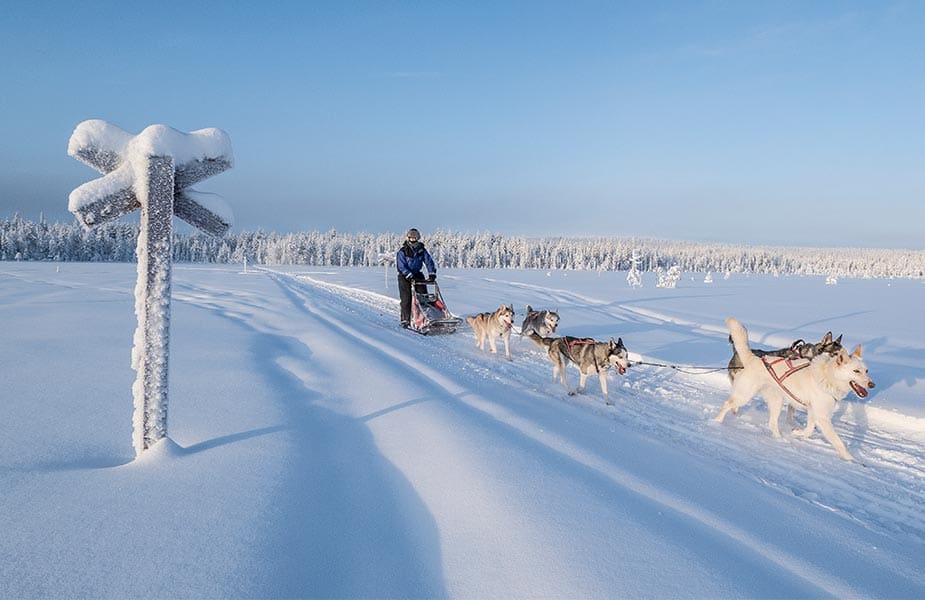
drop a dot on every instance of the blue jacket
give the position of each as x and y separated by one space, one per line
411 260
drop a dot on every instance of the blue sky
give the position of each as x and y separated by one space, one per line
797 123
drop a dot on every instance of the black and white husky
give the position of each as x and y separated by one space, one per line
814 385
586 354
799 349
541 322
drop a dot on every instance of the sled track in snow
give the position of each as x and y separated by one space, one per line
673 407
890 481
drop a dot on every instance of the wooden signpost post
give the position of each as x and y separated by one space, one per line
151 171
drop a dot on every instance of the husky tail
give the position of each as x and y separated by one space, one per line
740 393
739 338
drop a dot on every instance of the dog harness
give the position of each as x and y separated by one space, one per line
780 368
569 342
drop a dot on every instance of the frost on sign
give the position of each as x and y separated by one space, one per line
151 171
120 157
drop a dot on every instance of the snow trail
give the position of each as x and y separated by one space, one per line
454 378
675 406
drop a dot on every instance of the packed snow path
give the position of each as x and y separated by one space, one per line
403 465
476 440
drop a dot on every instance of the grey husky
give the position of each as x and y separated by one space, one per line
586 354
541 322
815 385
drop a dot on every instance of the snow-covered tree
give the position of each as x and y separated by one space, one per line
634 277
116 242
669 278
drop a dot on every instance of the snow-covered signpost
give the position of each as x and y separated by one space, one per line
151 171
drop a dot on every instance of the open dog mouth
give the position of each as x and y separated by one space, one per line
621 369
859 390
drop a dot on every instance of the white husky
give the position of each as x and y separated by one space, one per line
814 385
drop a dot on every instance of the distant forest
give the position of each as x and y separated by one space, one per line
22 239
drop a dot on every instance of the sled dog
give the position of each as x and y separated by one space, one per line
814 385
799 349
586 354
542 322
489 325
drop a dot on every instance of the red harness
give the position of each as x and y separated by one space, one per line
780 368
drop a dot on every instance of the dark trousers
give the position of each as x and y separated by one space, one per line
404 292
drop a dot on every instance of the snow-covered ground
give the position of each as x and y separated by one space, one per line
317 450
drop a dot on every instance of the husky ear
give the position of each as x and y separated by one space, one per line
838 341
857 351
613 344
619 341
827 338
841 358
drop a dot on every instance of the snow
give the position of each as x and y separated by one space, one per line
315 449
82 196
161 140
154 140
126 155
98 134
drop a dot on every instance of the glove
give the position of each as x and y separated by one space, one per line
432 277
409 276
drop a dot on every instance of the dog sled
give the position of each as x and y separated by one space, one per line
429 314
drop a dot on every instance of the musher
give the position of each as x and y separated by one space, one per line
411 258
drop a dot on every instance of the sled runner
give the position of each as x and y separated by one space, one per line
429 314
